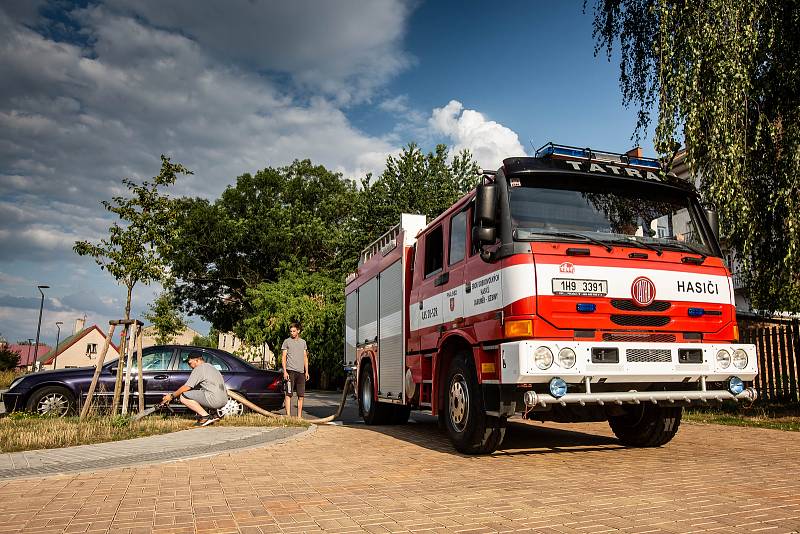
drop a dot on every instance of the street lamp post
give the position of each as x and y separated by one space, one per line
39 328
30 344
58 336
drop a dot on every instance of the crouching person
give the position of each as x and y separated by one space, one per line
203 392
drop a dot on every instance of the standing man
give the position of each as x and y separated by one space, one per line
205 390
294 355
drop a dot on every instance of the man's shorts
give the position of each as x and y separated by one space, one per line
298 381
202 397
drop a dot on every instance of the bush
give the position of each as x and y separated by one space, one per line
9 360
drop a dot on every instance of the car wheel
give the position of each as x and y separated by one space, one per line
52 401
469 428
646 425
232 408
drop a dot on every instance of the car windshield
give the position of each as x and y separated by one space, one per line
647 218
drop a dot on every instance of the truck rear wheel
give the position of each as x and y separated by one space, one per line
468 426
372 411
646 425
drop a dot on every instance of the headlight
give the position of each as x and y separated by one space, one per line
740 358
723 358
543 358
566 357
735 385
558 388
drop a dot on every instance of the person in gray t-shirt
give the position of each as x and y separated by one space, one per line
204 390
294 355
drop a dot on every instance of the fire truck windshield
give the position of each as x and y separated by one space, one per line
648 217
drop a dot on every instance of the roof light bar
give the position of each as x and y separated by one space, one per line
552 149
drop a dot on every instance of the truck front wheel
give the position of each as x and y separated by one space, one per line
468 426
646 425
372 411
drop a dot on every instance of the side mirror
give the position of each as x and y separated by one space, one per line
484 221
713 221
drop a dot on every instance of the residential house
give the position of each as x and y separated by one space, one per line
28 354
185 337
259 355
81 349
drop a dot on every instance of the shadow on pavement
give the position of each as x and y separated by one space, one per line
522 438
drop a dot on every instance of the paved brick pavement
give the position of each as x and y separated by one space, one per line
177 445
548 478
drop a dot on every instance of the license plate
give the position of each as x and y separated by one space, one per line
574 286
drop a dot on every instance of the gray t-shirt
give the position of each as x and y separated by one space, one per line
210 380
295 354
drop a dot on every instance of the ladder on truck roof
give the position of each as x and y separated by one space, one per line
409 223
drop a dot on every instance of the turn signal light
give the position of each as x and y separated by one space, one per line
521 328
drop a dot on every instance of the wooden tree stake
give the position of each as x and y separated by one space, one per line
97 369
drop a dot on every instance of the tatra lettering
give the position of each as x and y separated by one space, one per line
633 172
596 168
615 170
575 164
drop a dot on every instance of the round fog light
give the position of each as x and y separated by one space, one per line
566 358
543 357
735 385
723 358
740 358
558 388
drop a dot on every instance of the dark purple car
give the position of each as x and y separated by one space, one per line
164 370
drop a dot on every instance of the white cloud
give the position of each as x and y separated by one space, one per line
489 141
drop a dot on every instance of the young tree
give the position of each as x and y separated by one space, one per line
723 77
9 360
131 251
165 318
211 340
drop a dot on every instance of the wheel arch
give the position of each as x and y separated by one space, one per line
450 346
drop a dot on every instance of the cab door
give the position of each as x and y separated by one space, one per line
426 302
453 287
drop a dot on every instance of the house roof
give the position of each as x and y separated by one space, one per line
68 342
26 352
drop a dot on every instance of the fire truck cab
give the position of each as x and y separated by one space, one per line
571 286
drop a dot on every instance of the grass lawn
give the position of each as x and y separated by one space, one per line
776 416
23 432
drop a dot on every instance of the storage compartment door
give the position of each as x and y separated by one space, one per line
367 313
390 333
350 329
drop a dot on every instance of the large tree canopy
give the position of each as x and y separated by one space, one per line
723 77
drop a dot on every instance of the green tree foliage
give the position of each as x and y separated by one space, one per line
165 318
131 251
724 79
413 182
9 359
222 249
314 299
211 340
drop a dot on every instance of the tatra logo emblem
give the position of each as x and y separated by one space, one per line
643 291
566 267
452 303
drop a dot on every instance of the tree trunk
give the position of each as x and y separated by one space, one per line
122 353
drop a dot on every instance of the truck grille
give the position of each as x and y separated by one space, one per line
648 355
629 305
640 320
641 338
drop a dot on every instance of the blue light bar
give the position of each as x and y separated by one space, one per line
553 149
696 312
585 307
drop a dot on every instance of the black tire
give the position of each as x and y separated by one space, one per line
372 411
466 422
646 425
54 401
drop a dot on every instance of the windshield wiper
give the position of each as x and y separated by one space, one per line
688 247
641 244
576 235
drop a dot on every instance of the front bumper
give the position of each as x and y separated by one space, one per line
638 363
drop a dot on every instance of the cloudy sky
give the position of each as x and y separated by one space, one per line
92 92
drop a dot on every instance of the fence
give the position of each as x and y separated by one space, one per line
778 347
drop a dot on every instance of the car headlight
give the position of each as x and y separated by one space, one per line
723 358
543 357
740 358
566 358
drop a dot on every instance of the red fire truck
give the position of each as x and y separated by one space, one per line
572 286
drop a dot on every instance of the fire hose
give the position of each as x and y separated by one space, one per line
347 385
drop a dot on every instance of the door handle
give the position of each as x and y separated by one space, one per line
160 377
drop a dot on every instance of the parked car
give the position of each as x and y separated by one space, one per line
164 369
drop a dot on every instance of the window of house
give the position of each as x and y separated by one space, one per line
434 251
458 238
91 349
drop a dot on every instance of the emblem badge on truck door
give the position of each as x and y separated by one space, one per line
643 291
